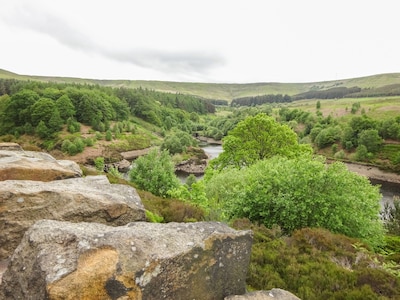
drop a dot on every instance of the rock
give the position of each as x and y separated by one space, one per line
122 166
191 166
132 155
275 294
141 260
18 164
88 199
10 147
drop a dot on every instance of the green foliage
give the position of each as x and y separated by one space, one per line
298 193
99 163
155 173
316 264
108 135
177 141
362 153
153 218
257 138
42 130
171 210
370 139
42 110
65 107
113 171
328 136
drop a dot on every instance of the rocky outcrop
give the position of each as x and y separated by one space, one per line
63 260
88 199
15 163
192 166
274 294
132 155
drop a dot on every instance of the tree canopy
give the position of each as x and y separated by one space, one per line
155 172
256 138
301 192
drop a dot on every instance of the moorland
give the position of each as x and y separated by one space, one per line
326 240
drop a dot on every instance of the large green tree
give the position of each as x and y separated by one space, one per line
155 172
301 192
256 138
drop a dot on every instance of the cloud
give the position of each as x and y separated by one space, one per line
180 62
189 62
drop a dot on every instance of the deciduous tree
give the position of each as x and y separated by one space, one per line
256 138
301 192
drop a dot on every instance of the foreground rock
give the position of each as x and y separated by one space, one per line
141 260
88 199
274 294
15 163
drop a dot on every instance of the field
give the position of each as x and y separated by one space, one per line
376 107
223 91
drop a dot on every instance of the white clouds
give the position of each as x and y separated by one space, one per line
213 41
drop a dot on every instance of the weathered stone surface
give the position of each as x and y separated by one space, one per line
18 164
141 260
10 147
87 199
276 294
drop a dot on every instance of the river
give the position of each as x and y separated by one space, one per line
387 189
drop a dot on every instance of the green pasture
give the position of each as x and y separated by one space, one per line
375 107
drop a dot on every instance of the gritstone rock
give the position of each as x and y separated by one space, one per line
87 199
15 163
141 260
274 294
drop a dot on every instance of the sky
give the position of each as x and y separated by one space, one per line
214 41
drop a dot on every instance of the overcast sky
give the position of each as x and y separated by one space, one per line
225 41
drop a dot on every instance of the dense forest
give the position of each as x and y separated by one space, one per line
318 228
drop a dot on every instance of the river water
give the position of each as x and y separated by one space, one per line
387 189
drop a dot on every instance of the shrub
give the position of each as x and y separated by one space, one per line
155 173
99 163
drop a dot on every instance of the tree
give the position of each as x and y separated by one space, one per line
256 138
65 107
55 122
42 110
370 138
301 192
42 131
155 172
18 110
177 141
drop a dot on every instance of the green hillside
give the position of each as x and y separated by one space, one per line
224 91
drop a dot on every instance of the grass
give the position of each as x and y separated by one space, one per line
223 91
375 107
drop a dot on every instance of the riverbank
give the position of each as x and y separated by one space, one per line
373 173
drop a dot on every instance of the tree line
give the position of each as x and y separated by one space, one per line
259 100
28 107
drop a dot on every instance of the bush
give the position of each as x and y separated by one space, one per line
155 173
316 264
298 193
99 163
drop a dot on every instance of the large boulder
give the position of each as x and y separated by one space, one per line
86 199
15 163
274 294
141 260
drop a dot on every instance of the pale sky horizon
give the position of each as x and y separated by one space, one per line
216 41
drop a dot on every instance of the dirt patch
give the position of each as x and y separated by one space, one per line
373 173
389 108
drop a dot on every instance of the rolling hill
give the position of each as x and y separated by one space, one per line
224 91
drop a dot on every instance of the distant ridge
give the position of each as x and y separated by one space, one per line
222 91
